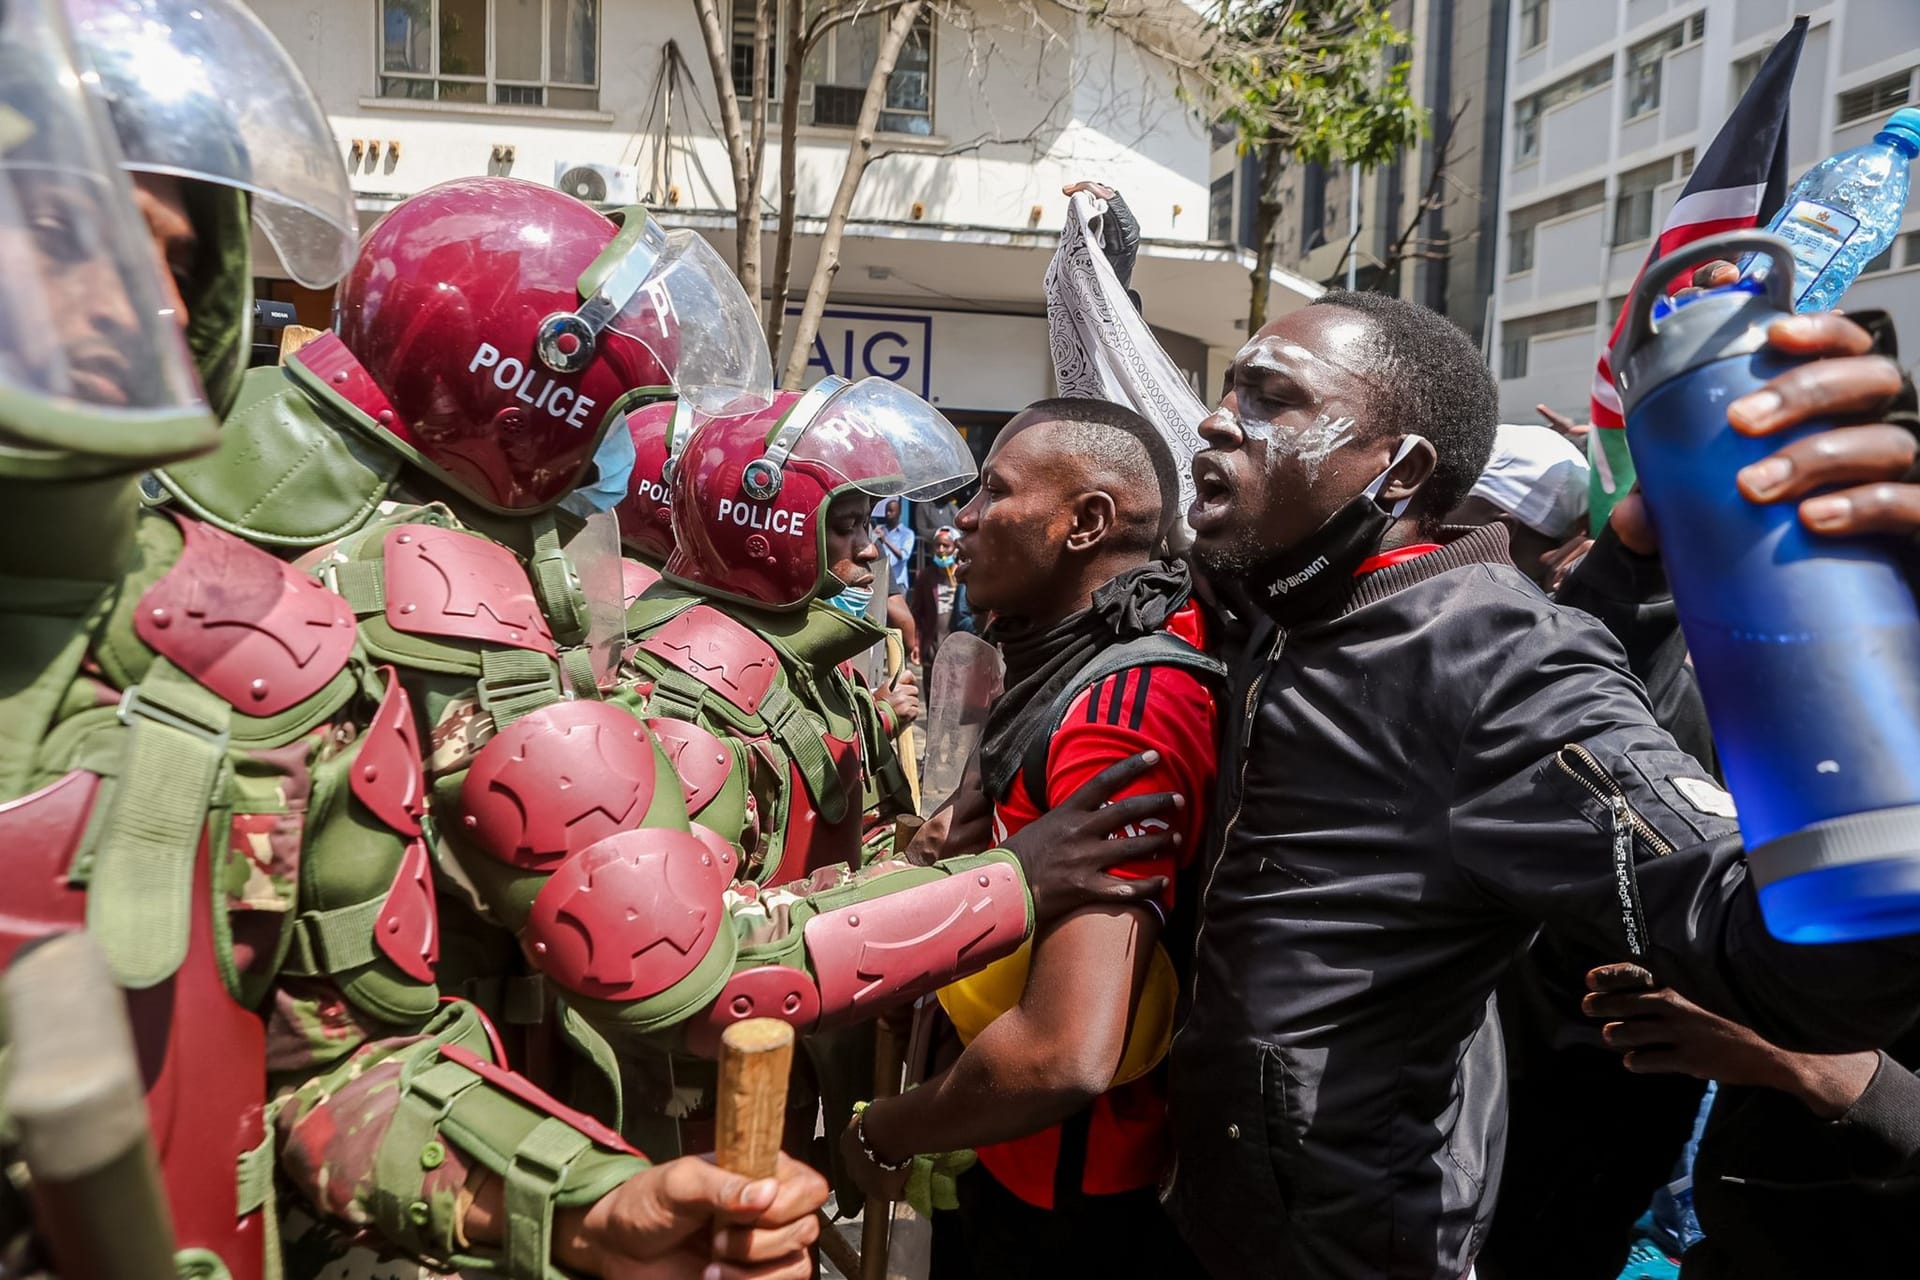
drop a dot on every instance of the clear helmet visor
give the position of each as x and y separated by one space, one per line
880 438
86 320
674 295
200 89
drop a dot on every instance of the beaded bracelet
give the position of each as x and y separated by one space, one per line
866 1148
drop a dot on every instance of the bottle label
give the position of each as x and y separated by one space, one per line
1815 232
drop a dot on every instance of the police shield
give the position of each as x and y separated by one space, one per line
968 674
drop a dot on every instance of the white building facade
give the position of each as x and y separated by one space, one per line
1609 102
940 285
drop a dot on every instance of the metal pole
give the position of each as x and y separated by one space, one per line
1353 227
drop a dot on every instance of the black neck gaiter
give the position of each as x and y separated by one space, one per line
1041 661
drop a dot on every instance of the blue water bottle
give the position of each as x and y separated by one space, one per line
1807 648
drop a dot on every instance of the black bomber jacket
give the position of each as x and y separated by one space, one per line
1415 786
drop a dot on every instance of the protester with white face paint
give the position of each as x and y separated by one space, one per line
1433 761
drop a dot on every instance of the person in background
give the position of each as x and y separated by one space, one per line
897 540
1535 483
1810 1164
1057 1085
934 592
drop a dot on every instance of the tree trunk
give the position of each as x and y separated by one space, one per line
859 152
1266 228
792 68
746 199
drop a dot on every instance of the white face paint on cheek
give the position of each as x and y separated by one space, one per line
1316 444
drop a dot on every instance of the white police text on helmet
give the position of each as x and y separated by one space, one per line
530 387
752 515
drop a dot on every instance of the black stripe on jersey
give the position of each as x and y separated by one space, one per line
1118 696
1140 698
1093 699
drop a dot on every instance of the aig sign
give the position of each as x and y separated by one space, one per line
895 345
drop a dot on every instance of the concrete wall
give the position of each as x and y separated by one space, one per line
1035 114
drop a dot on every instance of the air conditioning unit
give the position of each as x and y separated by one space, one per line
598 183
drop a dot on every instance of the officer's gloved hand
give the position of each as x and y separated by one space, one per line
1119 230
1066 851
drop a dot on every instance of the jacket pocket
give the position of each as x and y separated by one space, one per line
1285 1126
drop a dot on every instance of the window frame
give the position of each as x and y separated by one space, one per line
1650 55
1516 236
1538 11
1876 105
490 83
740 31
1220 199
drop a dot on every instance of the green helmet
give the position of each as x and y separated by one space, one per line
200 91
94 375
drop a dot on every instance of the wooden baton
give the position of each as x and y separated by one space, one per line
755 1058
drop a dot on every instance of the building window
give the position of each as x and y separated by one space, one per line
1533 24
1877 98
839 67
1520 251
1528 110
1313 207
1521 222
742 51
1745 71
1644 63
1882 261
1513 353
1517 336
1633 201
1220 207
533 53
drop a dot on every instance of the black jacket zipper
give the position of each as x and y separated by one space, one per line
1579 764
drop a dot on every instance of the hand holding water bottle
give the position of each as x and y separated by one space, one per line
1872 458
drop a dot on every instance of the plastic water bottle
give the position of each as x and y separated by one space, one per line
1807 648
1846 211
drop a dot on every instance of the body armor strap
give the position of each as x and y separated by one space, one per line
140 903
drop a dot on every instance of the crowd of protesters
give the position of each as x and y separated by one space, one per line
1414 1033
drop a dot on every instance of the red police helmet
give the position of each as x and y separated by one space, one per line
750 492
660 430
492 330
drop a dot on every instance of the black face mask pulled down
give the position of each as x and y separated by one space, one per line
1042 660
1312 579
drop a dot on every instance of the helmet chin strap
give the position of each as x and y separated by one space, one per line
762 478
567 340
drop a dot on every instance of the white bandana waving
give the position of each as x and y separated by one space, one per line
1103 349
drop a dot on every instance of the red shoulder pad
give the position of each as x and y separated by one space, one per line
556 780
635 579
701 760
408 930
443 582
723 853
328 359
387 776
764 991
720 653
629 917
254 631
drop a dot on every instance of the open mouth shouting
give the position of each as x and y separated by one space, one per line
1213 493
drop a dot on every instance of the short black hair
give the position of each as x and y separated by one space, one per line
1433 382
1101 430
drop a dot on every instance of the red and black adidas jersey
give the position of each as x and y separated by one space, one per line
1165 709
